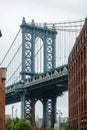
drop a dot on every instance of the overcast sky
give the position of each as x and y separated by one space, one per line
12 12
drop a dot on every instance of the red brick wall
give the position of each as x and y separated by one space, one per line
77 82
2 98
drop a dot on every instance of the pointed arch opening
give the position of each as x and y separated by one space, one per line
39 114
39 55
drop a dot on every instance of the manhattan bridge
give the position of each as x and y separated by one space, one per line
37 66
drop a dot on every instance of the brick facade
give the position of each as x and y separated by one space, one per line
77 82
2 98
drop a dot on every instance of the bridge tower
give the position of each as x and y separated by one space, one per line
48 35
29 33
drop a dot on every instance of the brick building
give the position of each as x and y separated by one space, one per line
77 82
2 98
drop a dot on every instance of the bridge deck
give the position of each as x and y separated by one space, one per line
48 84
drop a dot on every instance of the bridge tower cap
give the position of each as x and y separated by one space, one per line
45 25
32 22
53 27
23 20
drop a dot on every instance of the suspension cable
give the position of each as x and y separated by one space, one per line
10 47
68 22
14 56
13 73
38 50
